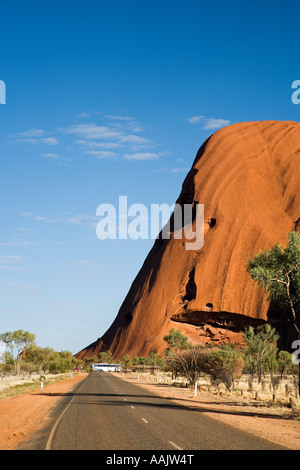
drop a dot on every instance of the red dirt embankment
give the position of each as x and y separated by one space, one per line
22 415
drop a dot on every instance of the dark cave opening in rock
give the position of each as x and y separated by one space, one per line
191 288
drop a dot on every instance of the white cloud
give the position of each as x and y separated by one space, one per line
101 153
212 123
80 219
10 262
119 118
27 214
195 119
16 242
94 132
50 155
81 262
54 156
141 156
209 123
77 219
32 133
101 140
134 139
98 139
28 141
97 145
9 259
178 170
36 136
50 141
172 170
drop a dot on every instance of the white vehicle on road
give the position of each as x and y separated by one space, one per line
105 367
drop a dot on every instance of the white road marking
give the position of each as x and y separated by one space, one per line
50 438
175 445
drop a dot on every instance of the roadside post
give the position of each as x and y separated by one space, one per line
42 385
196 388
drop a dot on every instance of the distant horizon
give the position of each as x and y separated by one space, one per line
104 99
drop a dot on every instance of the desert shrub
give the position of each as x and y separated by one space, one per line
188 362
224 365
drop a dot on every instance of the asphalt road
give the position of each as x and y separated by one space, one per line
108 413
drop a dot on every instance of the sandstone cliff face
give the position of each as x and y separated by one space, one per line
247 176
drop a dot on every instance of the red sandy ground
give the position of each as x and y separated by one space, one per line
22 415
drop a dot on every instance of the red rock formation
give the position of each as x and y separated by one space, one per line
247 176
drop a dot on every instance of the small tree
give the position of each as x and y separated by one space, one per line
261 347
277 270
62 362
155 360
106 356
8 339
67 361
41 358
285 363
176 340
17 342
176 343
127 361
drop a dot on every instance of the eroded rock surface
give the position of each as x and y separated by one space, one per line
247 176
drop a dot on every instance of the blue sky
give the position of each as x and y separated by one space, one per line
110 98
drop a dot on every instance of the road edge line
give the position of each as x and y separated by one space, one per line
50 438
